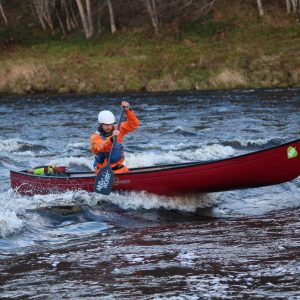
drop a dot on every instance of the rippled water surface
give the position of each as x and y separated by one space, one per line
235 244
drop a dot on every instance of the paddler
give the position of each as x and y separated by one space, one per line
101 141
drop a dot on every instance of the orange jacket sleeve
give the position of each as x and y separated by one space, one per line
131 124
99 145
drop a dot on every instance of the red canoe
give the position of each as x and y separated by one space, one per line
266 167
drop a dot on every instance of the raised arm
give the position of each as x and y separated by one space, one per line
132 121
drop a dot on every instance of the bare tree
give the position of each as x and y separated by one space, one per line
111 17
68 15
66 8
74 18
288 6
160 11
3 13
152 12
60 22
44 10
205 5
260 8
86 17
292 6
89 16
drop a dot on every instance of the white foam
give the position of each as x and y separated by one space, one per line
179 128
142 159
9 222
78 145
10 145
64 199
13 146
190 203
26 154
187 258
258 142
181 146
73 161
130 200
15 213
211 152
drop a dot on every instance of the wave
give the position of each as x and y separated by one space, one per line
9 222
210 152
74 163
81 146
14 216
16 210
148 107
160 154
16 145
10 145
253 143
179 153
182 131
170 155
190 203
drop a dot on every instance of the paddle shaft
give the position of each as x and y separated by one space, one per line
115 137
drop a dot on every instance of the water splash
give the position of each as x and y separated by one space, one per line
210 152
191 203
10 220
21 147
9 223
10 145
15 213
76 163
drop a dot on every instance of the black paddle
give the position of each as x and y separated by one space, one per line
105 178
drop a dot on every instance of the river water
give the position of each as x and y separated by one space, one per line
235 244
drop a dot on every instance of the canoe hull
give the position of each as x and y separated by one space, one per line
261 168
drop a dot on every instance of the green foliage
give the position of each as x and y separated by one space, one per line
206 28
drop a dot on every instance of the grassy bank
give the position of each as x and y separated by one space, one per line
211 53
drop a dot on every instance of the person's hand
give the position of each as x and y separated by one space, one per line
116 132
114 135
125 104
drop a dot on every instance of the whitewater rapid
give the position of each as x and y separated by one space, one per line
13 211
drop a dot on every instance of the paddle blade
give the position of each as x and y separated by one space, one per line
104 181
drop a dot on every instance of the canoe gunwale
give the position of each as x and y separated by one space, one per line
159 168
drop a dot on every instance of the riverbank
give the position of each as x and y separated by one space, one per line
211 53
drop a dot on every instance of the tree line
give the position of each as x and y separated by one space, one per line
92 16
292 6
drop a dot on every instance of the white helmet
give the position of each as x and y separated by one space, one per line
106 117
